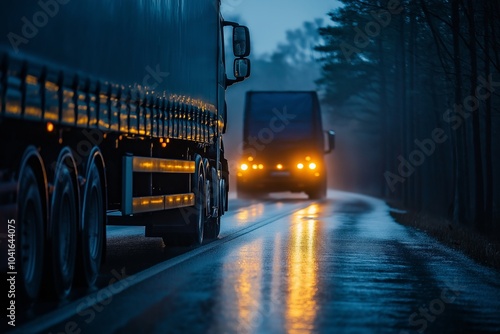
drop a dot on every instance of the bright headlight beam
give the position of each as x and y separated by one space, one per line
300 165
244 166
312 165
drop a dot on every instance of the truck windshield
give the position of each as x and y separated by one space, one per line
289 117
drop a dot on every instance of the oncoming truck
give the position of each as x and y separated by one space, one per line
283 144
110 112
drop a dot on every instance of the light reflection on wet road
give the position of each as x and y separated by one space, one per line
338 265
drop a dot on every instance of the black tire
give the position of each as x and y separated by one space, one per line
319 192
91 236
212 224
30 226
194 216
62 236
212 229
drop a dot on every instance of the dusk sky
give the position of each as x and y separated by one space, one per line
269 20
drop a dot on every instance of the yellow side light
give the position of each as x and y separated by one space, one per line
254 166
312 165
261 166
250 159
244 166
163 145
279 166
300 165
50 127
308 158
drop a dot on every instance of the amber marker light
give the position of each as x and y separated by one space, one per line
279 166
254 166
261 166
50 127
250 159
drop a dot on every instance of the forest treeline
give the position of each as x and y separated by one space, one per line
423 75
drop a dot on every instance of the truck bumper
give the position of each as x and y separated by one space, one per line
279 181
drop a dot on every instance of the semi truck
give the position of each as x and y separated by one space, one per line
111 112
283 145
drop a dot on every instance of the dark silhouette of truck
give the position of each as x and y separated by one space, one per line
283 144
110 112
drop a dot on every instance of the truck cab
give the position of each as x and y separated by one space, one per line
283 144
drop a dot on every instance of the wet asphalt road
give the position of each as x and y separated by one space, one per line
287 265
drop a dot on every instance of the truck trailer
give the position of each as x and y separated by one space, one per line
111 112
283 145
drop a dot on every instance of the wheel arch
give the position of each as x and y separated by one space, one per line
66 157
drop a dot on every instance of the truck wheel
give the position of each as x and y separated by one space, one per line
92 227
31 236
195 216
317 193
63 229
212 226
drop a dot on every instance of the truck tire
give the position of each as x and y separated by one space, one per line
62 232
91 234
212 226
195 216
319 192
31 236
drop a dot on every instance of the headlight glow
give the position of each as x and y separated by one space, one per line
312 165
244 166
300 165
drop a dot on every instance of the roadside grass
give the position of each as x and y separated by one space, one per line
481 247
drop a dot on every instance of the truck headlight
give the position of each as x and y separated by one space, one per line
244 166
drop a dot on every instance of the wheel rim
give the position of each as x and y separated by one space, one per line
92 232
93 220
201 220
64 235
208 200
63 231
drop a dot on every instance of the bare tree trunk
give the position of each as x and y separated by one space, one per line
476 129
488 122
461 172
384 126
403 118
415 113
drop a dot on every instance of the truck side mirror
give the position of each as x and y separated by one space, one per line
331 141
241 68
241 41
